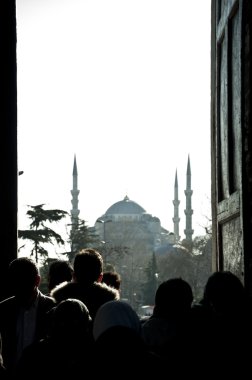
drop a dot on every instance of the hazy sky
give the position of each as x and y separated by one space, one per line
124 85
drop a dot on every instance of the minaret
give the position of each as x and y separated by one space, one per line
75 193
188 211
176 203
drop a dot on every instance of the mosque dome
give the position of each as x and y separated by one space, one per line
126 206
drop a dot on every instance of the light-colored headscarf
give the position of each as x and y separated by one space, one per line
115 313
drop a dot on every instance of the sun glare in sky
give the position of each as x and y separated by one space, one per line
124 85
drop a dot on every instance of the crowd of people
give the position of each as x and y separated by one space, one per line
81 325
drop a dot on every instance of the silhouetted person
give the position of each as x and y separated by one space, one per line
66 351
228 308
23 317
112 278
224 293
168 331
59 272
86 284
118 342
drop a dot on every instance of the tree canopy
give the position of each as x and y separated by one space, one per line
39 233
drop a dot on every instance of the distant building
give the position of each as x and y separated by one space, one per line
129 236
126 223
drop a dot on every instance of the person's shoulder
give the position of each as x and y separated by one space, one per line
46 298
65 290
8 300
8 303
8 310
45 302
109 292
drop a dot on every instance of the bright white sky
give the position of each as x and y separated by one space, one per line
124 85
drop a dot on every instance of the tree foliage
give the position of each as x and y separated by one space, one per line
39 233
113 255
194 267
81 236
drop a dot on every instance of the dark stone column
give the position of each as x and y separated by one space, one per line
8 139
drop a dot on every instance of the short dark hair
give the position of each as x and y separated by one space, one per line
88 265
173 295
224 290
112 279
59 271
23 273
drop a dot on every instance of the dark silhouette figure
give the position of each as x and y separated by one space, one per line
118 340
224 293
66 351
86 284
112 278
168 331
23 317
228 311
59 272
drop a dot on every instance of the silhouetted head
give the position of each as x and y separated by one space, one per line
24 278
114 314
112 279
173 297
224 292
88 266
70 320
59 271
